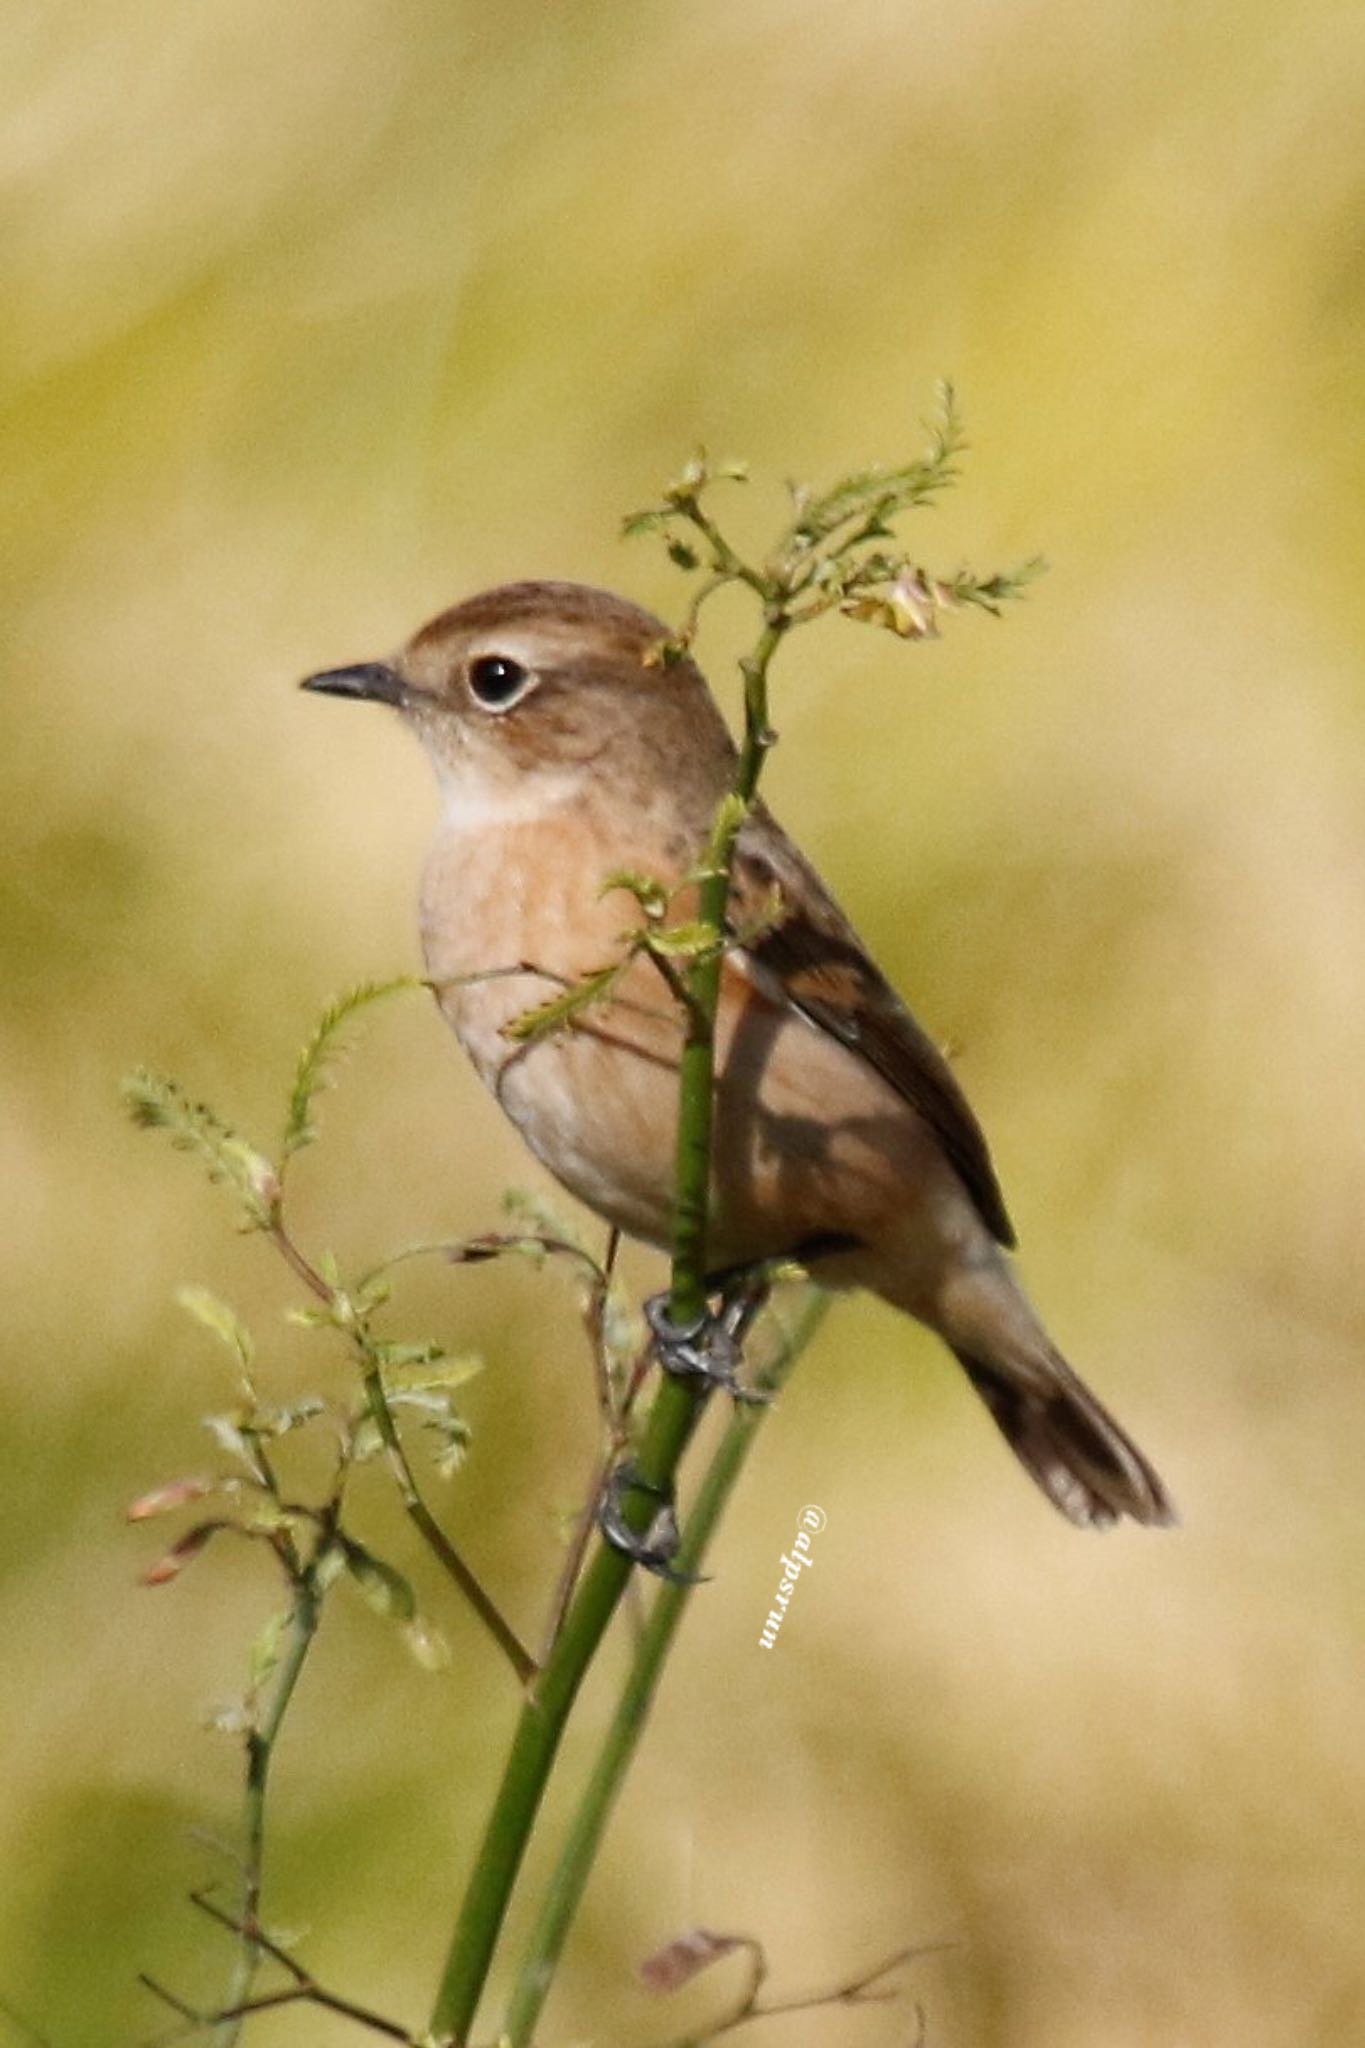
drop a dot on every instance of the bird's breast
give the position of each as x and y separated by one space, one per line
513 919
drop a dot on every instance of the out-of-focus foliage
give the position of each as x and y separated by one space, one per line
318 318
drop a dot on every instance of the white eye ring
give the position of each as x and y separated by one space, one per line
497 681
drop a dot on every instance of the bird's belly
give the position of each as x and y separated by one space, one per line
595 1101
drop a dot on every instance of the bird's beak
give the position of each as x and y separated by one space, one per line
374 680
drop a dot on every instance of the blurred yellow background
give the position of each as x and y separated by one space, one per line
319 318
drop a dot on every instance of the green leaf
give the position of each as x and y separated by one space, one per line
989 593
653 520
280 1421
366 1441
216 1315
565 1009
157 1103
452 1447
649 892
228 1433
265 1651
324 1047
731 812
328 1566
769 914
692 478
684 941
384 1589
390 1354
430 1369
874 497
373 1293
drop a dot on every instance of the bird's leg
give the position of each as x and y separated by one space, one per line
707 1352
710 1348
657 1546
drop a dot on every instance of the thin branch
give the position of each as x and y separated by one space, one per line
305 1615
303 1989
518 1656
510 1643
729 567
865 1988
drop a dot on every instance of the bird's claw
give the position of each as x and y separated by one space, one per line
657 1546
708 1349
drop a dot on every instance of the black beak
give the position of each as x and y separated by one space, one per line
374 680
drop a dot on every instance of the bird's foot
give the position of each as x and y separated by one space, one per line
710 1348
655 1547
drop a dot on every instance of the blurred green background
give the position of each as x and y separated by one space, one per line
319 318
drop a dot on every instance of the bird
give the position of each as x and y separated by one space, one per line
569 757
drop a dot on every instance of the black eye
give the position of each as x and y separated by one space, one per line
496 679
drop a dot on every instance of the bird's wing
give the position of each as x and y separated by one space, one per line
825 971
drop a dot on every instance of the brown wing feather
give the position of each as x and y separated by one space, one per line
827 974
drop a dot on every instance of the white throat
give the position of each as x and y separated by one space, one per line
471 802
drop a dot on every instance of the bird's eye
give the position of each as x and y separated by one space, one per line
497 680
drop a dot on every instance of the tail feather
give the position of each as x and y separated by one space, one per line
1070 1444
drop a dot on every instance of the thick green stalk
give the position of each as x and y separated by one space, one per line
543 1718
673 1416
628 1722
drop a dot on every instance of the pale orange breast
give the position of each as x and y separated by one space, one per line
596 1103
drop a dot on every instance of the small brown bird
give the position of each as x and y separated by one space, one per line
565 753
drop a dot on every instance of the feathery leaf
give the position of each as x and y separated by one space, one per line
325 1046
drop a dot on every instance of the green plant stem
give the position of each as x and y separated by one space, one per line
260 1750
696 1096
628 1722
672 1419
518 1656
677 1405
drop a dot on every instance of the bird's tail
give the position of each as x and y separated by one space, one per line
1067 1441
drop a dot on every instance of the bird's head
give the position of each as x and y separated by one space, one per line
538 691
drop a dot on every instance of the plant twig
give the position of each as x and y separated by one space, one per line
865 1988
372 1379
305 1614
304 1989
